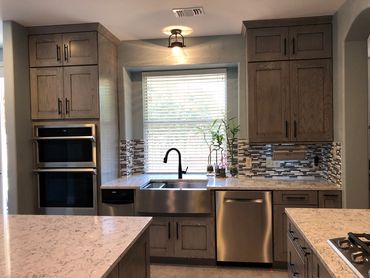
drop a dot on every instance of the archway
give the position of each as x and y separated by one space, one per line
356 171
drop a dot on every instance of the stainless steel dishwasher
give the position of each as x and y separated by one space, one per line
244 226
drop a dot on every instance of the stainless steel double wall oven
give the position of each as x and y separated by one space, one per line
65 159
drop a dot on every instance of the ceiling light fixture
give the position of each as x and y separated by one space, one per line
176 39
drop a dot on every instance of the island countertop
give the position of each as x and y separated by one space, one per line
240 183
65 246
319 225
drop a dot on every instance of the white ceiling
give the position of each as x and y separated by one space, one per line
144 19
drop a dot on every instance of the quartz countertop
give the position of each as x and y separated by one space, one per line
65 246
240 183
319 225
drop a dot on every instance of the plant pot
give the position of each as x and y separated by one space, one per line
233 170
222 173
217 170
209 169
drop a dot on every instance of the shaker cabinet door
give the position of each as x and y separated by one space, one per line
46 93
312 100
269 102
45 50
310 41
161 237
267 44
80 48
81 92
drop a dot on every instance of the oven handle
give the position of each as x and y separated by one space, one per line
92 138
92 170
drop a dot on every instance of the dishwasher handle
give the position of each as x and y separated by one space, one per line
243 200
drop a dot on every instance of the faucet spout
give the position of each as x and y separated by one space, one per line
180 171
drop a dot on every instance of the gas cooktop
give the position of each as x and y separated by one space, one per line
355 251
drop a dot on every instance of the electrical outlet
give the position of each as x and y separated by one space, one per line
248 163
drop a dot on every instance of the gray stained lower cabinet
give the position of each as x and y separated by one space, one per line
182 237
64 92
297 199
136 263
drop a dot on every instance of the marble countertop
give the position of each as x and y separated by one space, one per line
240 183
319 225
65 246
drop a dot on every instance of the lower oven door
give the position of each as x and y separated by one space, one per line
67 191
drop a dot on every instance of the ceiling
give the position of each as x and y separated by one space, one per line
144 19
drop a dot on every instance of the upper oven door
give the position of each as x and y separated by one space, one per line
65 146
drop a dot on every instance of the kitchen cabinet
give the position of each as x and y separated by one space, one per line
297 199
290 101
269 112
311 100
68 49
136 263
290 96
302 262
46 93
317 269
68 92
330 199
289 43
182 237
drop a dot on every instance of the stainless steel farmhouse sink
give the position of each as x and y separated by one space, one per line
174 196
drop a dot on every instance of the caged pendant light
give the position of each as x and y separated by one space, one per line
176 39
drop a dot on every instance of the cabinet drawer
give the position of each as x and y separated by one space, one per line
295 198
330 199
296 265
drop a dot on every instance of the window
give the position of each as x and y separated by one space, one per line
175 104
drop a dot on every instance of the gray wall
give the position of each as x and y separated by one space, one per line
201 52
22 190
350 97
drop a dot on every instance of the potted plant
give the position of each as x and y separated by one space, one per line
231 130
206 131
218 138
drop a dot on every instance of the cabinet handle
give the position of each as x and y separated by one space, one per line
177 230
293 45
286 129
59 106
296 198
58 52
285 47
330 195
295 129
292 236
66 52
169 230
67 106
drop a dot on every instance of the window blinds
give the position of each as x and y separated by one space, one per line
174 105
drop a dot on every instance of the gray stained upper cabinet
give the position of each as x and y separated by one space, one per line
64 92
68 49
296 42
290 80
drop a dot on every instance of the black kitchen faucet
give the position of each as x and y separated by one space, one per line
180 171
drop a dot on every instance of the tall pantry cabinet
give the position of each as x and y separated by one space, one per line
73 80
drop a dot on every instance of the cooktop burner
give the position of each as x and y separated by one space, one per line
355 251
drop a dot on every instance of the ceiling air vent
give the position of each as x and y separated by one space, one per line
181 12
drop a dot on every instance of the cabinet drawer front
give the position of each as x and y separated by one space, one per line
295 197
296 264
330 199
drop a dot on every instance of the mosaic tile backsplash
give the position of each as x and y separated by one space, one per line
328 155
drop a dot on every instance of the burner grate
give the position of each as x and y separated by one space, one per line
361 240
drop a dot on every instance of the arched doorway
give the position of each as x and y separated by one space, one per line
356 170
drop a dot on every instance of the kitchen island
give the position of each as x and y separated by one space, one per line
317 226
73 246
